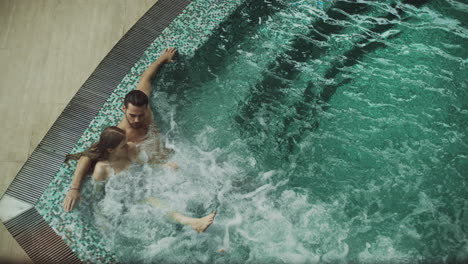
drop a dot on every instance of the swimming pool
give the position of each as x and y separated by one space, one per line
335 136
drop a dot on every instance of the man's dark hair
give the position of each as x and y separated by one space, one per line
136 98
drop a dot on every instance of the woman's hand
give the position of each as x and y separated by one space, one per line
168 54
72 196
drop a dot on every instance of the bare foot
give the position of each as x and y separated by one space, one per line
198 224
201 224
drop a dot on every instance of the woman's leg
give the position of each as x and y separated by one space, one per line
198 224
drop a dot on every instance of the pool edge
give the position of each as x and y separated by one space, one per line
37 238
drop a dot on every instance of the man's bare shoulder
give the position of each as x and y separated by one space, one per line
123 124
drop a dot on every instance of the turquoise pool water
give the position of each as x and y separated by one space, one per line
331 137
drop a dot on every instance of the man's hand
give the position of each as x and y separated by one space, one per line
148 75
72 196
168 54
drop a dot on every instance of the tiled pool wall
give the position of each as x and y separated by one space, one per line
188 32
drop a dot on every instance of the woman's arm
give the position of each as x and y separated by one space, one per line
73 195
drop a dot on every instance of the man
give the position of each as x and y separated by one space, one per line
136 122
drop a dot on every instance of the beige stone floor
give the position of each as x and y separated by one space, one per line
48 48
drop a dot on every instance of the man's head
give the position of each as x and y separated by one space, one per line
135 107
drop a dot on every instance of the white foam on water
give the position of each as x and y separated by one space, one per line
383 251
258 219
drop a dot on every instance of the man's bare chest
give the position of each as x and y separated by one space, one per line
136 135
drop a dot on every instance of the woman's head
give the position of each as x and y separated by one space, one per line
113 140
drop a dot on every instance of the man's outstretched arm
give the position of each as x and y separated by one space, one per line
148 75
73 195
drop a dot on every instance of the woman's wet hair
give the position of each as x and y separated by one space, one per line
110 138
136 98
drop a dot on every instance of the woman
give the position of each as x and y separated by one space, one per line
113 155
